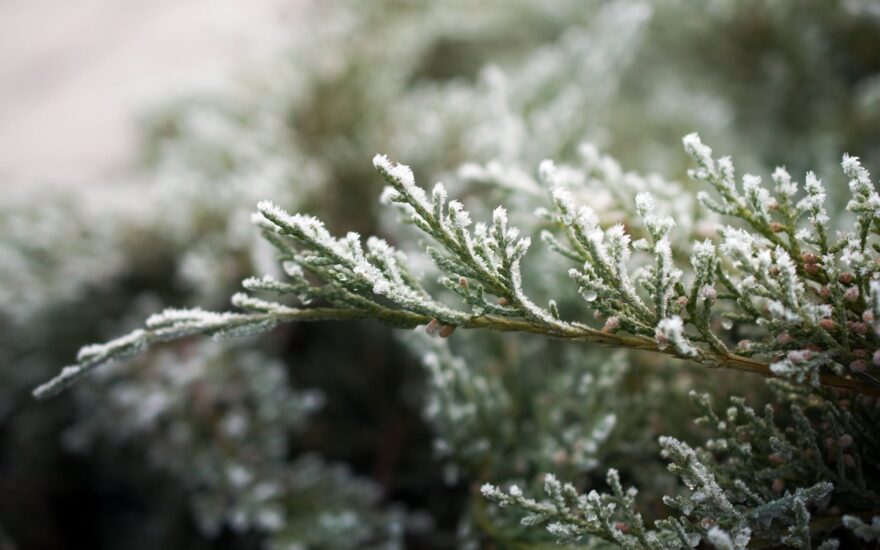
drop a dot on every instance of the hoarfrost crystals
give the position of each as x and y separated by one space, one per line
671 331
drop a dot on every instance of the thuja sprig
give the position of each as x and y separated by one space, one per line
817 320
754 483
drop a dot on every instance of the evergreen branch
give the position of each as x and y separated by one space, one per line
821 343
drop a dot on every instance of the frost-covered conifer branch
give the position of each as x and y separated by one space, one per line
811 302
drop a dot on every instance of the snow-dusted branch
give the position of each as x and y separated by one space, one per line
810 302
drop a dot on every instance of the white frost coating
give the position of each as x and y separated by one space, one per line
458 215
658 226
865 200
671 331
789 278
664 251
701 153
91 357
499 215
756 194
400 172
720 539
778 310
619 245
309 228
814 202
703 253
547 172
389 195
784 185
565 202
751 182
860 177
438 201
402 175
246 301
644 203
667 274
726 171
739 245
173 316
134 341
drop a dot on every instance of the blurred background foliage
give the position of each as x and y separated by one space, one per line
349 435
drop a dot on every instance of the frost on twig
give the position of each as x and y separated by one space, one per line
752 484
808 303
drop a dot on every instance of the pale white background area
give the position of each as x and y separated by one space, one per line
72 72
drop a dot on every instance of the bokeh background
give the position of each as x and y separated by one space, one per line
136 138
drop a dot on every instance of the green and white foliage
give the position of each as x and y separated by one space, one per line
629 260
497 409
754 482
786 284
219 419
759 283
868 532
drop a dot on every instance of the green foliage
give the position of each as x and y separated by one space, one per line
730 274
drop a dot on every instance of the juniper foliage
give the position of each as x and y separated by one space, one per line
506 409
809 303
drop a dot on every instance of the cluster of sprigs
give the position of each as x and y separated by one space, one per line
816 298
753 483
563 421
814 321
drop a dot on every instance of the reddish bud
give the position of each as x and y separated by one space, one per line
858 328
433 327
851 294
859 365
778 486
612 324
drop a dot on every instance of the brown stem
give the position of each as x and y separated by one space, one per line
579 333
